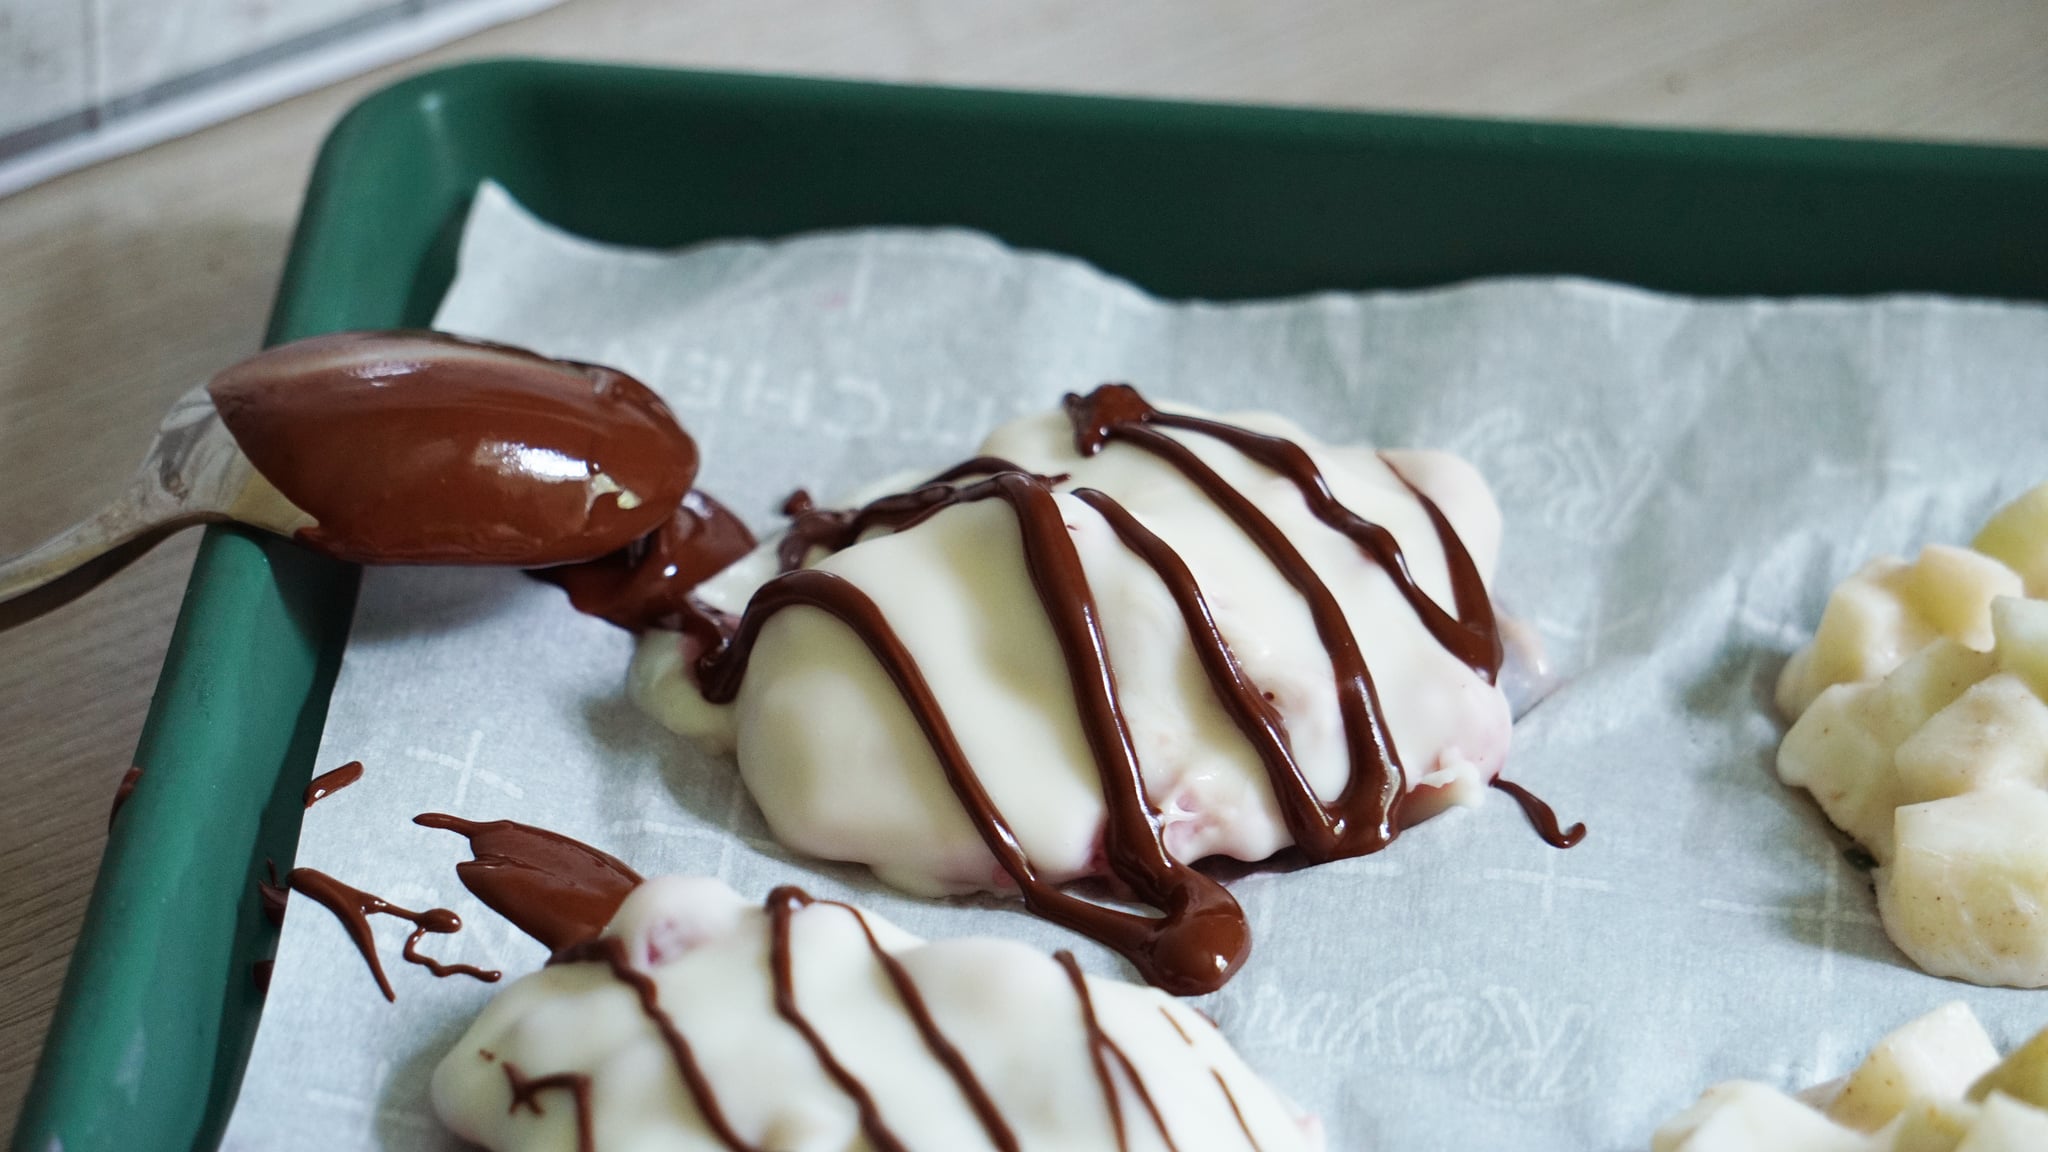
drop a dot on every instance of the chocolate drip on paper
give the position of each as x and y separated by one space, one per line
328 783
1541 817
129 780
354 907
526 1094
557 890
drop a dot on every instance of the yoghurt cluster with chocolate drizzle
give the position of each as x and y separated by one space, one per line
701 1021
1119 640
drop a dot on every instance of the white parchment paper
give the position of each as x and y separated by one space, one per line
1682 480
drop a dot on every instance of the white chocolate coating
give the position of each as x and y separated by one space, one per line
1011 1012
841 770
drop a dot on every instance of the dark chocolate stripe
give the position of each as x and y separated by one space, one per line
1185 1038
942 1049
782 902
1138 1083
1242 1125
612 952
1323 832
836 528
1115 411
1202 937
526 1094
1099 1043
1376 785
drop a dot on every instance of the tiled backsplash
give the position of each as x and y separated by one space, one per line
70 69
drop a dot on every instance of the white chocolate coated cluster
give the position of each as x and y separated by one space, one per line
1922 730
1010 1011
841 770
1935 1085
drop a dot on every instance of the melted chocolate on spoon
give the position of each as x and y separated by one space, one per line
649 583
423 448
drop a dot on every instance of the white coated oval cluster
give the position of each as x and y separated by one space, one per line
582 1045
841 769
1922 731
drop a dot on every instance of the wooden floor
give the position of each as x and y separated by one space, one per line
123 285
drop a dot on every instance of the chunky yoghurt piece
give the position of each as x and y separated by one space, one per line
1120 640
1922 730
1935 1085
702 1021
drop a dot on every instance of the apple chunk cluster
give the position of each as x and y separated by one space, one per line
1922 731
1935 1085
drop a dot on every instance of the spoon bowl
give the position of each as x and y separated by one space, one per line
389 448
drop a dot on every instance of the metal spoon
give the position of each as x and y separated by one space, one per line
195 473
395 447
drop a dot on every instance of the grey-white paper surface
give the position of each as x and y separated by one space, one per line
1682 481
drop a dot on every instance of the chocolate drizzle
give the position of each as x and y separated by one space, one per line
978 1099
1100 1049
526 1094
1201 936
782 902
557 890
1178 1030
328 783
1541 817
354 907
781 908
1230 1096
612 952
832 529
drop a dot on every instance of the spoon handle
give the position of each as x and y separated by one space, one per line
74 563
194 474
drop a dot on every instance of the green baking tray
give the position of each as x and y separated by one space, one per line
158 1011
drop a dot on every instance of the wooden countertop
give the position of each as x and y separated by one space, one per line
127 283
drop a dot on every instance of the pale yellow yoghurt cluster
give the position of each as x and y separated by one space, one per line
1921 728
1935 1085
